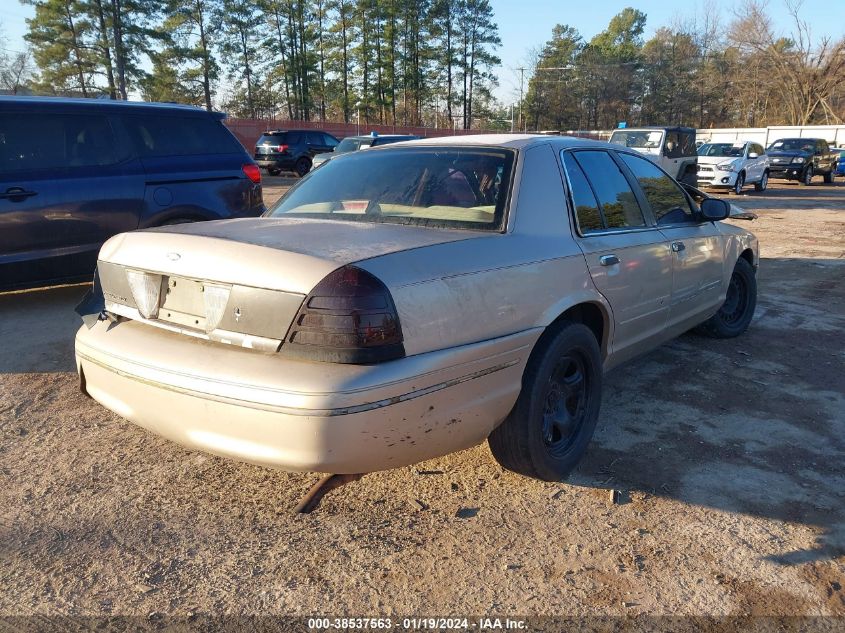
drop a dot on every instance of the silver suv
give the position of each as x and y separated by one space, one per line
733 165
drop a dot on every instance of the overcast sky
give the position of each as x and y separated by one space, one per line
525 24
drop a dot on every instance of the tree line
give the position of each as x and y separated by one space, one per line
380 61
698 72
430 62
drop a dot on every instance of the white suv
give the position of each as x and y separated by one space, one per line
733 165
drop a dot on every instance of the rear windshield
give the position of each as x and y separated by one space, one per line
793 145
721 149
272 139
460 187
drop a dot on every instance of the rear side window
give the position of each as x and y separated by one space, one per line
157 136
667 201
57 141
618 204
331 141
586 205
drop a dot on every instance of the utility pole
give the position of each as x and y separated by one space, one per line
521 77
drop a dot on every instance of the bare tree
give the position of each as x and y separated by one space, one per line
15 71
804 75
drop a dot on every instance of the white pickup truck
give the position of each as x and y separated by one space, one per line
733 165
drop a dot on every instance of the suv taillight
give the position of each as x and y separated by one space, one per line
252 172
349 317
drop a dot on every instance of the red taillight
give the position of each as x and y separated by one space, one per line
282 148
252 172
349 317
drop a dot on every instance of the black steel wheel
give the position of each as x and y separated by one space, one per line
566 400
735 314
547 432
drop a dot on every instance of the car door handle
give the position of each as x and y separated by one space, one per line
16 194
608 260
678 247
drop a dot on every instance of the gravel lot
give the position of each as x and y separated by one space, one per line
728 456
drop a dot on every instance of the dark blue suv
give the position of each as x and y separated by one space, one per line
74 172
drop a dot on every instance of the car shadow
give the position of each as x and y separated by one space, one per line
37 328
753 425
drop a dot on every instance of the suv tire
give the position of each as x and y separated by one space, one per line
764 182
735 315
302 167
828 177
547 432
740 183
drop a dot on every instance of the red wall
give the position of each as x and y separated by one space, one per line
249 130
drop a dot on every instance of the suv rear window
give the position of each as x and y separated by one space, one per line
461 187
274 138
180 136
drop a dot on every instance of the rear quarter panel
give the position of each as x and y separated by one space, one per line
205 187
735 241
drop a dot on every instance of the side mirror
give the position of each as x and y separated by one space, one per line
753 155
714 209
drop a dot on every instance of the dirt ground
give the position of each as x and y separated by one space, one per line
727 455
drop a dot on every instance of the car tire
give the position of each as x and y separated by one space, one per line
807 176
302 166
764 182
828 177
735 315
740 183
547 432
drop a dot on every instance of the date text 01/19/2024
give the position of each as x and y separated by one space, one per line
417 624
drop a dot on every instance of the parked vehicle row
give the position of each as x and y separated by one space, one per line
407 301
733 165
74 172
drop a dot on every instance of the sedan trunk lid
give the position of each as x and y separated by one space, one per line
240 281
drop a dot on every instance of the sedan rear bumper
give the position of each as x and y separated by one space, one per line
294 415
